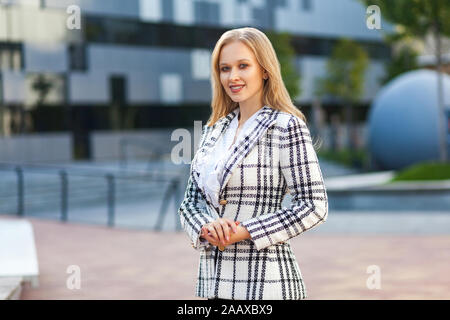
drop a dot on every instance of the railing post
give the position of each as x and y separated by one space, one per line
111 199
122 150
165 204
64 192
178 197
20 192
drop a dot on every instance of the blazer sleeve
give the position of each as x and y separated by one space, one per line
309 206
193 212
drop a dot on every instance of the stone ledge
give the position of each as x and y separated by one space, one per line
10 288
378 181
18 257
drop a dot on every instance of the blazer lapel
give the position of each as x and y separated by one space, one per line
217 129
265 119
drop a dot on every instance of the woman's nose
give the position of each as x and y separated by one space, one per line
234 75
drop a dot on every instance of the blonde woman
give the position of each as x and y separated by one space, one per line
254 149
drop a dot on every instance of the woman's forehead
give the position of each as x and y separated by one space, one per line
235 52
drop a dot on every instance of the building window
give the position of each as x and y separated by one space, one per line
118 90
120 31
77 57
206 13
306 5
11 56
171 88
200 64
280 3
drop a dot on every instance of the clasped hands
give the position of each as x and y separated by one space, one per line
223 232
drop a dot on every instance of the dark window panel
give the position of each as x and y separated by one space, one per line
306 5
77 57
11 56
130 32
118 90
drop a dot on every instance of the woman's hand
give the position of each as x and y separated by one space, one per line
210 238
218 232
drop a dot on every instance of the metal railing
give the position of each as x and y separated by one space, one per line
126 142
157 176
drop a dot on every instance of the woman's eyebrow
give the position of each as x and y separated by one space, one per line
237 60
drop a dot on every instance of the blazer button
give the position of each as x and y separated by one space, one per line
223 202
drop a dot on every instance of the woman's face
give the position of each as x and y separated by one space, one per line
238 67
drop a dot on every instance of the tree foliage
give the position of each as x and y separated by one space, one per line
345 72
403 61
417 17
281 43
42 86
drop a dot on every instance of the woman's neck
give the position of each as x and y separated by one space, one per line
246 113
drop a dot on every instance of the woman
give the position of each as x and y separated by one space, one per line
254 149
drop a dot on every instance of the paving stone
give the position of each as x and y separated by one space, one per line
131 264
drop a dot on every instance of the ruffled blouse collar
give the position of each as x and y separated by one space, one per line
210 165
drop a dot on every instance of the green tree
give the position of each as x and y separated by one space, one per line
419 18
345 79
42 86
281 43
402 61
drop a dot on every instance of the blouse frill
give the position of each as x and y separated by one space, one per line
210 166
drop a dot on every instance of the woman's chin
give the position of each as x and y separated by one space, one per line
236 99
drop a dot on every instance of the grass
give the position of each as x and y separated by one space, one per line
357 158
424 171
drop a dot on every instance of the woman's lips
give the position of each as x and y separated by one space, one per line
236 89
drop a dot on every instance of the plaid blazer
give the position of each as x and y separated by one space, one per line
276 158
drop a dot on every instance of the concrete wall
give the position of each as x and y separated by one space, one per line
36 147
145 144
145 71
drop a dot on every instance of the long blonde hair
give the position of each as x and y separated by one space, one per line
275 94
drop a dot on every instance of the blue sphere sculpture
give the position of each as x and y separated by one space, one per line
403 120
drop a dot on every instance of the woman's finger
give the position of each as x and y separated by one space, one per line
226 229
212 231
204 232
219 231
211 240
209 236
233 225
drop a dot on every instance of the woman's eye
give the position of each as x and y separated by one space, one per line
226 68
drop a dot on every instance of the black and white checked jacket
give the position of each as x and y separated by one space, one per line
276 158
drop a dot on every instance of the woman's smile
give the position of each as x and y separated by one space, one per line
236 89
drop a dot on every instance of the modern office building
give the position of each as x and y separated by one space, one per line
154 55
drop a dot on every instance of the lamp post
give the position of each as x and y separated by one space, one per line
4 4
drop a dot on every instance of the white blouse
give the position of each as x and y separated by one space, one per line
211 165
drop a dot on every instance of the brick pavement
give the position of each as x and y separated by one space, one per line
130 264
